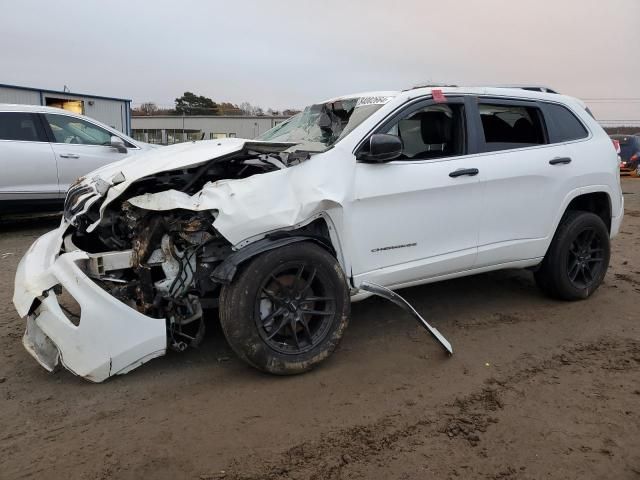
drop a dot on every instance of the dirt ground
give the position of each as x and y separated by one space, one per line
536 389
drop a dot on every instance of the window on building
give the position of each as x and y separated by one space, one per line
148 136
74 106
174 136
193 135
20 126
511 126
213 136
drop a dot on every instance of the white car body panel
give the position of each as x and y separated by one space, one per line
97 348
396 224
35 175
44 170
256 205
75 161
397 217
511 180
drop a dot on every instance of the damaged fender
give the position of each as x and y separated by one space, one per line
225 272
249 207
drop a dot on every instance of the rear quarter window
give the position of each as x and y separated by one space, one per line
563 125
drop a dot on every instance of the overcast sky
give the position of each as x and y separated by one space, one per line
289 53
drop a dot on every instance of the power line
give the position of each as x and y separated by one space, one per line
617 100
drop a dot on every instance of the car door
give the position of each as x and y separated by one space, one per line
28 164
80 146
417 216
524 179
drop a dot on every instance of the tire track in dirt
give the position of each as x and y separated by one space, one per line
341 454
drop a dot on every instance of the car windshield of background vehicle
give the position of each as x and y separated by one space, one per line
318 127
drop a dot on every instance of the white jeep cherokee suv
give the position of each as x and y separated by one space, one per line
358 195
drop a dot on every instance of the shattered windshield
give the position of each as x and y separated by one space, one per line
320 126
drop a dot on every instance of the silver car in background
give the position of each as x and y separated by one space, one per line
43 150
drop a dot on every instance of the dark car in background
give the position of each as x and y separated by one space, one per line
629 153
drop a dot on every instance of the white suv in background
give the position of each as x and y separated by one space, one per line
43 150
357 195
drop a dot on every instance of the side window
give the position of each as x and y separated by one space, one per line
511 126
435 131
20 126
74 130
564 124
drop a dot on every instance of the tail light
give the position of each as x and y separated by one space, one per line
634 157
616 144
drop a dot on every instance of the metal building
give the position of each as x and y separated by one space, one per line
169 129
115 112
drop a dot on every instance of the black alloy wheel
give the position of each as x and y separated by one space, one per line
585 259
295 308
287 309
577 259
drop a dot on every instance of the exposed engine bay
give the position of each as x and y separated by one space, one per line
160 263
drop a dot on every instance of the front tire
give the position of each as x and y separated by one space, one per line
287 309
577 259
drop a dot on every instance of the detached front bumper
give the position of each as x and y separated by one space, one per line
110 339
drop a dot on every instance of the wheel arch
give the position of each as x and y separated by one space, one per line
319 230
595 199
598 202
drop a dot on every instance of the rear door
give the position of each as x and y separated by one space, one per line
80 146
524 178
28 164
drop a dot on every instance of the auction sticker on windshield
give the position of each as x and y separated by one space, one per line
375 100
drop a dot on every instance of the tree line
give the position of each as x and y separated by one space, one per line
191 104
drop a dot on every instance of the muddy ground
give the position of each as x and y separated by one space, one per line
536 389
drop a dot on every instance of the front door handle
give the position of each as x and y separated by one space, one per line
69 155
560 161
471 172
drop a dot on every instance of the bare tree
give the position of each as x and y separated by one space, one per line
148 108
247 109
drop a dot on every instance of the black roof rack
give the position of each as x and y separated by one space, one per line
532 88
430 84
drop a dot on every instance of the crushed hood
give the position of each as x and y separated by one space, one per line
245 208
181 155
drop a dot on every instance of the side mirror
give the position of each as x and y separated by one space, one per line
382 148
118 144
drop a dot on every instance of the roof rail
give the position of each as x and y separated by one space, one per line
533 88
430 84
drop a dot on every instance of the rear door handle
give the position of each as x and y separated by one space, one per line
69 155
464 171
560 161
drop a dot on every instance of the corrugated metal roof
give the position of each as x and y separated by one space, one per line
46 90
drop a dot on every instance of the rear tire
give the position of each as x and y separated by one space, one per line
577 259
287 310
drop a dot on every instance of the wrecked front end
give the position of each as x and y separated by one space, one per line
117 285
